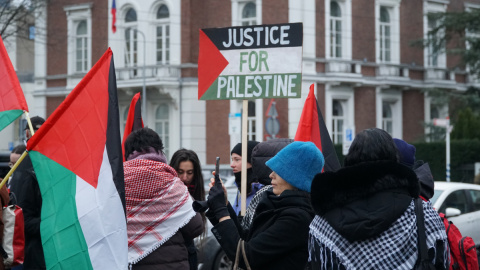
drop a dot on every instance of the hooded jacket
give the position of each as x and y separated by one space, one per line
365 204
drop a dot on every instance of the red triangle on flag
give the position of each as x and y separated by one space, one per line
211 63
75 134
11 94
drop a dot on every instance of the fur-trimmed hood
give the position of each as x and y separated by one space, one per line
363 200
334 189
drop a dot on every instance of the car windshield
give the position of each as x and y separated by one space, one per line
436 194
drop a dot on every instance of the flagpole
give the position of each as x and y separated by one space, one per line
13 169
243 189
29 123
20 159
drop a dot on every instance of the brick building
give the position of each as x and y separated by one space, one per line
356 52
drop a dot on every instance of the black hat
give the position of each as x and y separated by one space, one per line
37 121
238 150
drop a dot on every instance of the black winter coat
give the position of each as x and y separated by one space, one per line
27 194
278 237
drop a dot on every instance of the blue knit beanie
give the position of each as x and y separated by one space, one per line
297 164
406 152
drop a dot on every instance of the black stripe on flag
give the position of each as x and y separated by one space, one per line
328 150
113 144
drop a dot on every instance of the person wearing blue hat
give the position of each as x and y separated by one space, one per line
278 235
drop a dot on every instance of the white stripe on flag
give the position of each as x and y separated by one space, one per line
101 215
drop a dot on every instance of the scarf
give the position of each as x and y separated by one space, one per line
397 246
252 207
158 205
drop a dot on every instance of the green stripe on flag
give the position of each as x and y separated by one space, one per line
7 117
63 241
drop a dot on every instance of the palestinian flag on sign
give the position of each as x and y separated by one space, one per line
134 119
311 128
12 100
76 155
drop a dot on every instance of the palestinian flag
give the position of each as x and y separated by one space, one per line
312 129
12 100
134 119
80 174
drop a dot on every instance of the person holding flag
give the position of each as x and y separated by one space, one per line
24 186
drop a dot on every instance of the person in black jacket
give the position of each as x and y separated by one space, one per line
277 238
365 214
26 192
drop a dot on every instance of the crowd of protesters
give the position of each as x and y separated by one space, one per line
361 216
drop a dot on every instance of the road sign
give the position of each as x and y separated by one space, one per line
441 122
250 62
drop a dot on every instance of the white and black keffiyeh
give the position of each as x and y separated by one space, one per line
395 248
250 212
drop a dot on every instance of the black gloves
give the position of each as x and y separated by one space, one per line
216 202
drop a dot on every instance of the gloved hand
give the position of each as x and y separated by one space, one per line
210 214
217 202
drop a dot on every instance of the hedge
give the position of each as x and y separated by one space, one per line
463 155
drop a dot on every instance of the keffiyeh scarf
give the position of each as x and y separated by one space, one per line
158 205
397 246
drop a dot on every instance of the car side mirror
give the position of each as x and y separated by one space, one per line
452 212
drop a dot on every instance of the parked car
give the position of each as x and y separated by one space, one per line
460 202
210 254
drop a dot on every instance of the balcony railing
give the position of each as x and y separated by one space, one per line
338 66
386 70
436 74
151 72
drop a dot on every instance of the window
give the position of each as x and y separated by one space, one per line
131 39
249 14
163 35
475 195
434 55
31 32
162 123
81 47
457 200
252 120
338 118
385 32
387 117
335 30
389 111
79 24
432 49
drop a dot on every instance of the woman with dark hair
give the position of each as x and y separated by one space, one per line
365 212
188 168
160 218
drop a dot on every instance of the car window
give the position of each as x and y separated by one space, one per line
456 199
475 195
436 194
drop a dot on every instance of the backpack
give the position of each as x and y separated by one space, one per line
463 254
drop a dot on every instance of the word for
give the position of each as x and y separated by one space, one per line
255 60
249 86
252 35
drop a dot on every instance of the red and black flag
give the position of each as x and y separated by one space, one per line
312 128
134 119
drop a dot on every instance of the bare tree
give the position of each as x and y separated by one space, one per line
17 16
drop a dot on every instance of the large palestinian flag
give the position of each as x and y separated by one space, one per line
311 128
77 158
12 100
